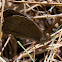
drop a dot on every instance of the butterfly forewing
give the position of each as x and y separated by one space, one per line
21 26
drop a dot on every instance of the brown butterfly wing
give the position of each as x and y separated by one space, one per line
21 26
9 12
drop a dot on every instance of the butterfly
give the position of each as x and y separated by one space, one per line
21 26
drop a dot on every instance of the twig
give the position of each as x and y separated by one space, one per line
42 3
56 32
2 59
59 57
3 4
6 43
32 7
45 16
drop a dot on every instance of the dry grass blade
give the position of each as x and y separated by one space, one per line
2 60
3 4
56 32
6 43
45 16
58 4
55 46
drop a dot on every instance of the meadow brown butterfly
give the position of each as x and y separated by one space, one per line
21 26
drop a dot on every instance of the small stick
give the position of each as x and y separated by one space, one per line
45 16
56 32
58 4
3 5
6 43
